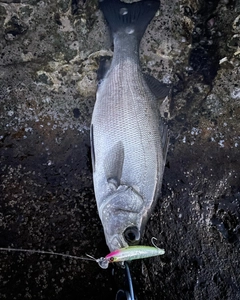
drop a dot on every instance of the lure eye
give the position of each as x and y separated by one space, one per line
131 235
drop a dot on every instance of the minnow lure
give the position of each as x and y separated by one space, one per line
120 255
128 253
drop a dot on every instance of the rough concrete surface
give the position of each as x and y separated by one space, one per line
49 54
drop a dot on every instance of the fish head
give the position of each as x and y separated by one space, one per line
121 217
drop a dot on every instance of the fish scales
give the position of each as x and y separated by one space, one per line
127 134
128 116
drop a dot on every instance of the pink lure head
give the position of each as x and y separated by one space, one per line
111 256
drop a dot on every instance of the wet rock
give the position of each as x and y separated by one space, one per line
14 28
47 90
236 25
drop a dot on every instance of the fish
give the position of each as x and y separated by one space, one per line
128 136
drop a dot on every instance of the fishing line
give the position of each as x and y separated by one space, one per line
47 252
130 285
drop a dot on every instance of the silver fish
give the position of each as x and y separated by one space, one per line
128 136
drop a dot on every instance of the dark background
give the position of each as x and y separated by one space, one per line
49 54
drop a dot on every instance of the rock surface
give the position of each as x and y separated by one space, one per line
49 54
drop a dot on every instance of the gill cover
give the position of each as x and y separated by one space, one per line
120 214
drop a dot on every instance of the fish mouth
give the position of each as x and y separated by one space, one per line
131 236
117 242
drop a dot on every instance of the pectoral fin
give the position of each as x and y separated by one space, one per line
113 164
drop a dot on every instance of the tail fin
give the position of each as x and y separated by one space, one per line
129 17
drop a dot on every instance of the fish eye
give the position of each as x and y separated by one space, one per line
131 235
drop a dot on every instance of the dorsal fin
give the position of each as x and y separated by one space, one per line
159 89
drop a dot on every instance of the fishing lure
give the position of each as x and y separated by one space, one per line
129 253
120 255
